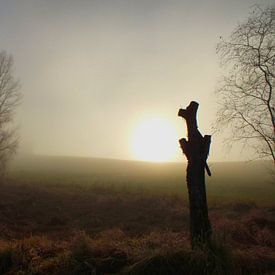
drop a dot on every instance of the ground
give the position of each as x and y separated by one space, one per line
92 216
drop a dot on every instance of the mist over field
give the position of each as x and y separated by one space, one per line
231 181
137 137
91 72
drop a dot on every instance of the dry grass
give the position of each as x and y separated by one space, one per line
78 216
92 230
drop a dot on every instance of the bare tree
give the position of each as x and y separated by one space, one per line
9 99
196 150
246 94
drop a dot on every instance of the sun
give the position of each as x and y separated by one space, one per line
155 139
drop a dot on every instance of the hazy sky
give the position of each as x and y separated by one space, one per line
90 71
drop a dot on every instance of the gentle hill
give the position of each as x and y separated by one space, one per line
230 180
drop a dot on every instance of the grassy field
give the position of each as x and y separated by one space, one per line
61 215
231 181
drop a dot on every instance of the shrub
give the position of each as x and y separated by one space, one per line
212 258
5 260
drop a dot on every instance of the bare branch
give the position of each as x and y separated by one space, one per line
246 93
9 99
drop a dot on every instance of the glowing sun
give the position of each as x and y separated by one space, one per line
155 139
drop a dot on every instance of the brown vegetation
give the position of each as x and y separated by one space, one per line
100 230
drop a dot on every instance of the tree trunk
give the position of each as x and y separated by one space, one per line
196 150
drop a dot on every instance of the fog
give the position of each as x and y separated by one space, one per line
90 71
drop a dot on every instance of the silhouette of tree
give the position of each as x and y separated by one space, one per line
196 150
9 99
246 92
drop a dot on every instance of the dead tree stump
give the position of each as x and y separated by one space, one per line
196 150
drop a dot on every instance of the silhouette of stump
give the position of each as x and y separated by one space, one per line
196 150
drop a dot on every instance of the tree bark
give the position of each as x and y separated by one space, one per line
196 150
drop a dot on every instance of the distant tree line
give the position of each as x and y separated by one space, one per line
9 99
